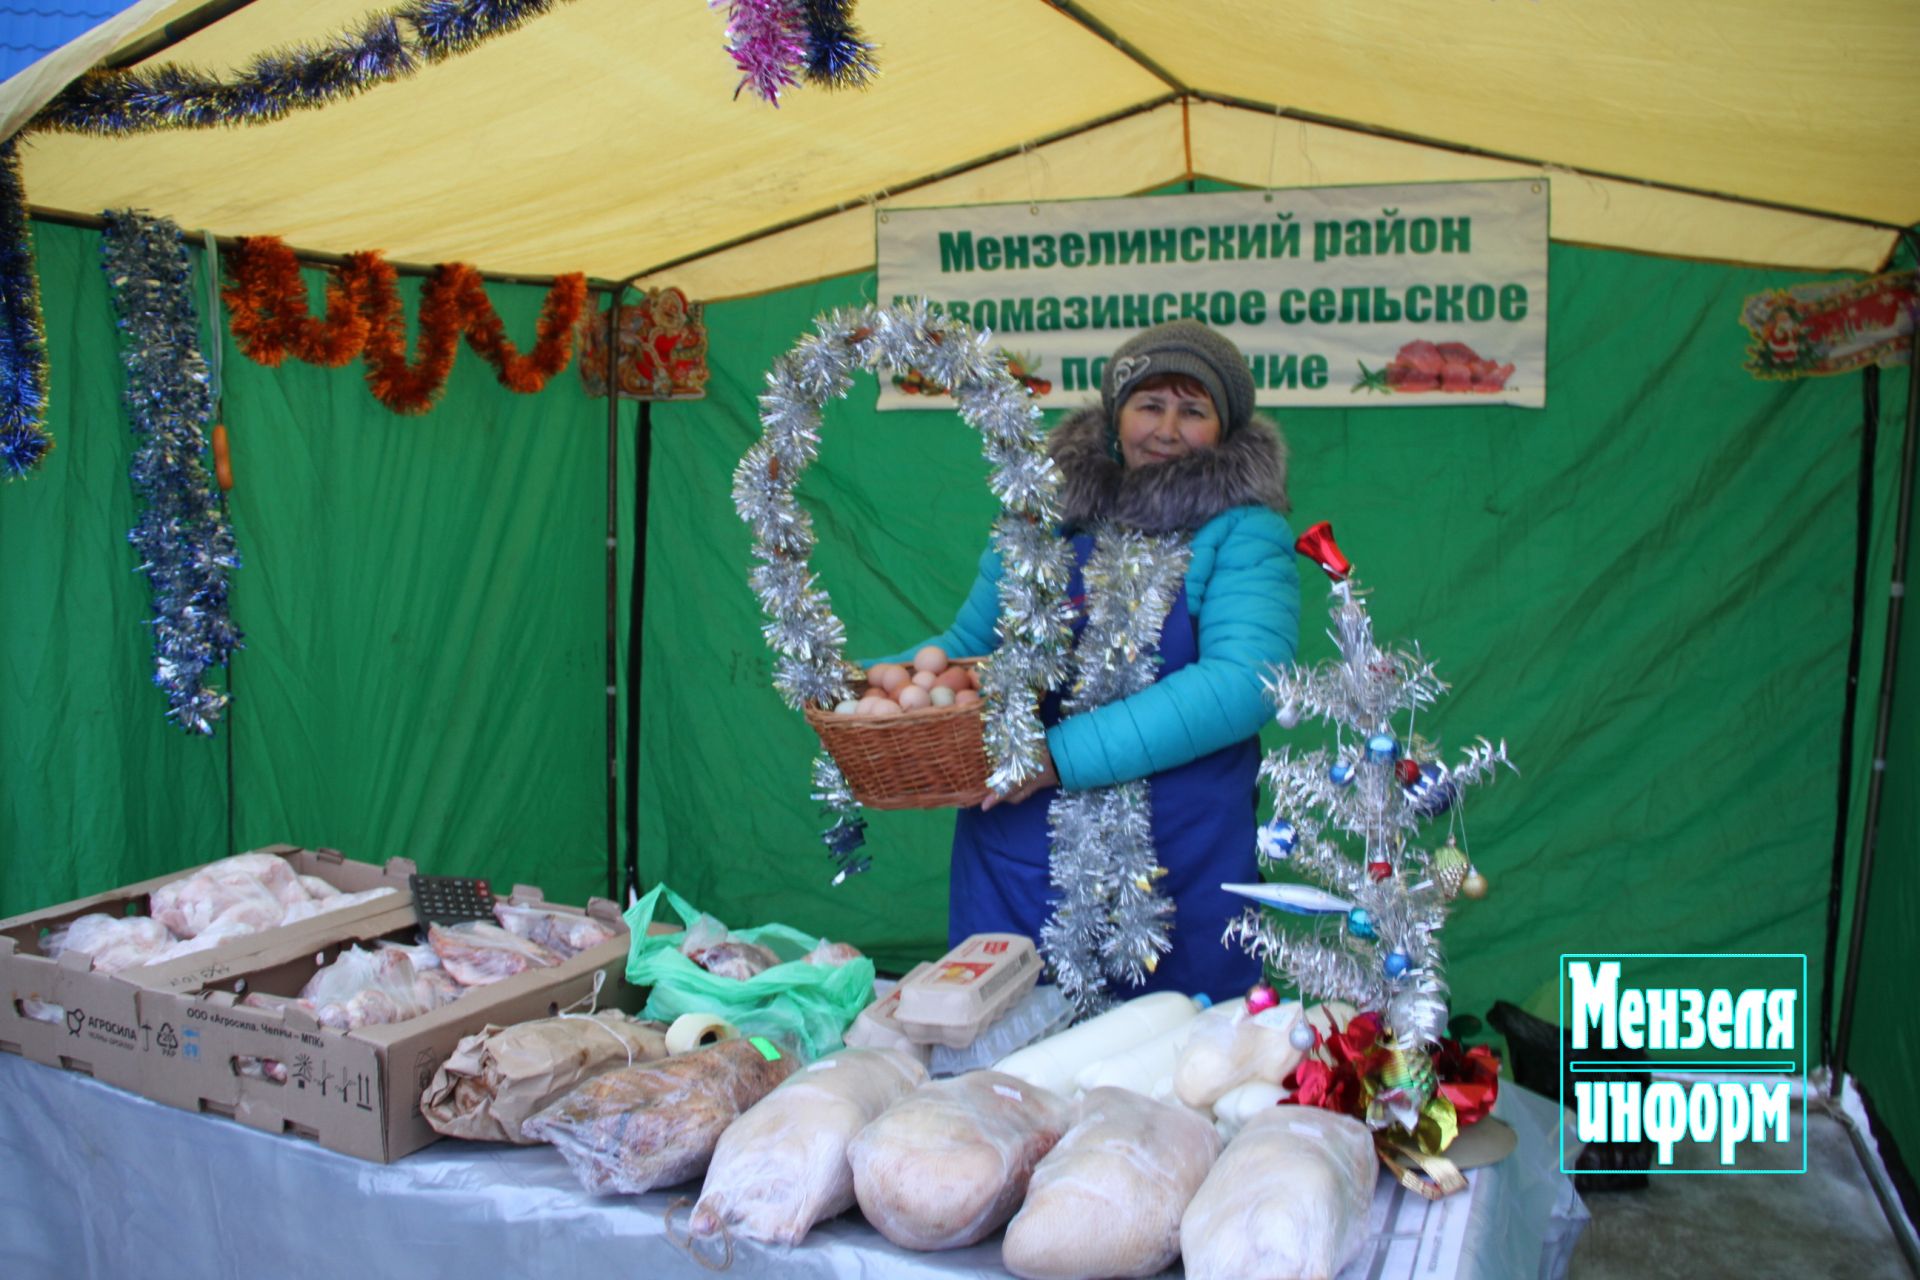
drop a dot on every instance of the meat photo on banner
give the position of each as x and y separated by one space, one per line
1364 296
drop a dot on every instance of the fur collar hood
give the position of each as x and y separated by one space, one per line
1248 468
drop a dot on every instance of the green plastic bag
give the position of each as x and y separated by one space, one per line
813 1004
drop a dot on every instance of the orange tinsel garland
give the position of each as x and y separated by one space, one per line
268 300
365 317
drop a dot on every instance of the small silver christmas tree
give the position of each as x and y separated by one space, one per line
1371 933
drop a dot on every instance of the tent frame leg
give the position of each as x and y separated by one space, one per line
1883 712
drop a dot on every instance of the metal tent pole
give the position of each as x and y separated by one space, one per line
1903 524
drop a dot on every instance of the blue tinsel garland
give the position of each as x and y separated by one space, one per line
387 47
185 543
23 340
838 56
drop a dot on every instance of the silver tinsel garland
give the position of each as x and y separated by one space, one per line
1397 898
185 543
1110 922
808 641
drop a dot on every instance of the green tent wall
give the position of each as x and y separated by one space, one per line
1645 588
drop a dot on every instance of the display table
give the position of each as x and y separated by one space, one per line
98 1182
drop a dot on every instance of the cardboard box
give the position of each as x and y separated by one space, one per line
99 1031
356 1092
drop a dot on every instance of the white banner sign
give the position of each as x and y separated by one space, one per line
1361 297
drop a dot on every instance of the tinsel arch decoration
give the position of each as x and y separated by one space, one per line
807 639
267 302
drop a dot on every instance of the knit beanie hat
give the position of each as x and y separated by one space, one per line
1185 347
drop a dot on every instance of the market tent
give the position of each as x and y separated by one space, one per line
1646 587
601 136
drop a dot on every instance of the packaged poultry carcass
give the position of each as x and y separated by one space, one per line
1229 1047
367 989
317 889
561 932
783 1166
114 942
948 1165
1107 1201
1232 1109
230 891
236 887
335 902
497 1079
478 952
635 1128
1288 1199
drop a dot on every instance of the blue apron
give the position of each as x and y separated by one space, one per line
1203 831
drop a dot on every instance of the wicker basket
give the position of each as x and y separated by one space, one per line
927 759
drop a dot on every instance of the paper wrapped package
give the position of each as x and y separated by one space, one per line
497 1079
656 1124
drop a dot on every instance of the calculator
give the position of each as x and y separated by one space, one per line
451 899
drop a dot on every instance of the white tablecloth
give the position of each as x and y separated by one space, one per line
98 1182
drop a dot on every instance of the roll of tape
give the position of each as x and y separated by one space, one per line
692 1031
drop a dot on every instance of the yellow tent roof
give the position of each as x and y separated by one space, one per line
605 136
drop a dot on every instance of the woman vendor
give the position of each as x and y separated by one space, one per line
1173 447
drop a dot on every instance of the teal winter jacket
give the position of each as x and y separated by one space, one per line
1242 589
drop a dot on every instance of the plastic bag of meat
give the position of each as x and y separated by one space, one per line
736 958
318 889
337 902
949 1164
636 1128
498 1078
258 887
1289 1198
709 944
220 931
1228 1047
477 953
833 953
782 1167
561 932
369 988
1107 1201
114 942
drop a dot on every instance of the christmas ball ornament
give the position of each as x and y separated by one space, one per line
1289 714
1380 870
1430 794
1381 748
1475 885
1449 868
1276 840
1360 922
1408 770
1261 998
1302 1037
1341 774
1396 964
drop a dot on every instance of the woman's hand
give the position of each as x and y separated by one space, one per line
1047 777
